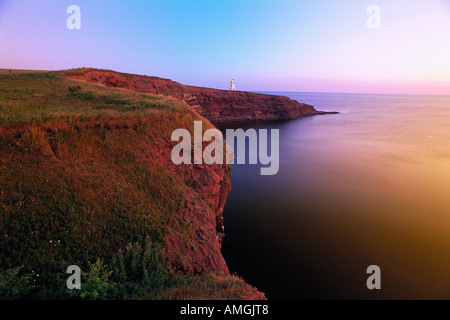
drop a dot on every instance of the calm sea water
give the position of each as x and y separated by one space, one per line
368 186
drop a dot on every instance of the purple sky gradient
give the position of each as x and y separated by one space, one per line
287 45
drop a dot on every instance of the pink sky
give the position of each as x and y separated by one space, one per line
314 46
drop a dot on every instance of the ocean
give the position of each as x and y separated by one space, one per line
367 186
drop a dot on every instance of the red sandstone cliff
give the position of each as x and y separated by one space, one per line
99 182
211 183
215 105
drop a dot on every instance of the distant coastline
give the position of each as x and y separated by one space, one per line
214 104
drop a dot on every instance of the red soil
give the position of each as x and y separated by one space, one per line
215 105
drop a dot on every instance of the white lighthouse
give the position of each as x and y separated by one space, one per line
232 88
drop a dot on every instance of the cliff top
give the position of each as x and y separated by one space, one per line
86 179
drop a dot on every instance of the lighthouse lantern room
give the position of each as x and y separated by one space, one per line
232 88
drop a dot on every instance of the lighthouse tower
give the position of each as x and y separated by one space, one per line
232 88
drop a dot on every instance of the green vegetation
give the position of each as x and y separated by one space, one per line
82 95
79 185
15 286
93 197
40 96
96 284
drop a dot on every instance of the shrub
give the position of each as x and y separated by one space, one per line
14 286
117 101
138 270
82 95
95 283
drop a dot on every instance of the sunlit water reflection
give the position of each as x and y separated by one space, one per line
370 185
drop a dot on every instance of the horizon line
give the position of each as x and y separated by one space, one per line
255 91
362 93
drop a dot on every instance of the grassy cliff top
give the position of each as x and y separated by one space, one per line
38 96
86 179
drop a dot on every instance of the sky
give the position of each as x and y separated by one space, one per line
276 45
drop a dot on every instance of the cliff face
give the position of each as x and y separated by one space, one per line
223 106
188 204
208 187
90 173
215 105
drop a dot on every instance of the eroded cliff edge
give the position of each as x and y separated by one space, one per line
215 105
87 174
87 171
